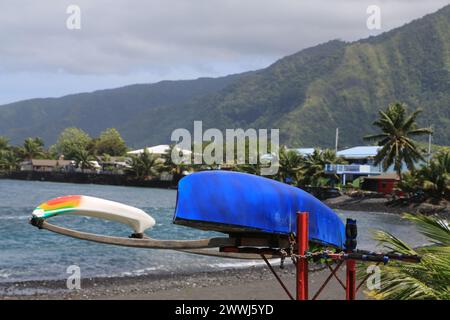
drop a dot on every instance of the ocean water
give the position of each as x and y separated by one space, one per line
27 253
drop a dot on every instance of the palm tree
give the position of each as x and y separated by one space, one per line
435 177
396 141
4 143
409 184
106 157
9 161
83 159
429 279
135 167
145 164
313 167
432 180
249 168
289 165
32 148
170 166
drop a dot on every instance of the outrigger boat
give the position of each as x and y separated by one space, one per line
251 210
261 218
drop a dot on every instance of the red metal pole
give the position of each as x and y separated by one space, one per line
351 280
302 264
350 244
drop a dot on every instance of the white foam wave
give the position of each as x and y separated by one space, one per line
140 272
239 264
22 217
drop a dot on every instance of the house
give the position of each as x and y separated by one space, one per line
159 150
94 167
116 165
384 183
47 165
360 163
363 155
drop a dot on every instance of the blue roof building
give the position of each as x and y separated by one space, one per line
360 152
361 163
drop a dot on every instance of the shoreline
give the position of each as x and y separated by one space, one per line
249 283
89 178
342 202
367 204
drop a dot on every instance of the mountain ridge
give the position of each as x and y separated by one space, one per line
306 94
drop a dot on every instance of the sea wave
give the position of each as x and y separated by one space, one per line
245 264
139 272
21 217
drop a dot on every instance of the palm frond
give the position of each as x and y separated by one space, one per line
428 279
392 243
411 120
436 229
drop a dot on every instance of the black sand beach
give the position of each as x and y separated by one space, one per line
254 283
383 204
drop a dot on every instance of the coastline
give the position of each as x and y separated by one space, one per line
90 178
342 202
251 283
368 204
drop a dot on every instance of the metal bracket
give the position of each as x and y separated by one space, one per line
37 222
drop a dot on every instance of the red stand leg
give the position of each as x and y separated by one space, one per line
302 264
351 280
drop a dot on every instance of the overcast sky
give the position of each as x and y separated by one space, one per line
132 41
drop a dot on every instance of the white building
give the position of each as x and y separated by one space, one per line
361 163
159 150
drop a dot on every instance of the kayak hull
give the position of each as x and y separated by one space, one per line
234 202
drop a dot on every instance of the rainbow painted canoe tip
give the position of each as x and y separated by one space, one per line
95 207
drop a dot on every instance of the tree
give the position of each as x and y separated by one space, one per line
9 161
135 167
397 130
145 165
289 166
250 168
435 177
431 181
410 184
176 168
313 167
72 141
428 279
4 143
32 148
83 159
110 142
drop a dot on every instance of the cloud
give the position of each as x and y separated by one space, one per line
179 38
126 36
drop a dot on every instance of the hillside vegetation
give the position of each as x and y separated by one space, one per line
307 95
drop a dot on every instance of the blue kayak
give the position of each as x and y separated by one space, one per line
234 202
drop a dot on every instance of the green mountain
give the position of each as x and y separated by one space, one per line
307 95
93 112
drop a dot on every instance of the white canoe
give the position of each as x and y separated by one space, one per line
95 207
